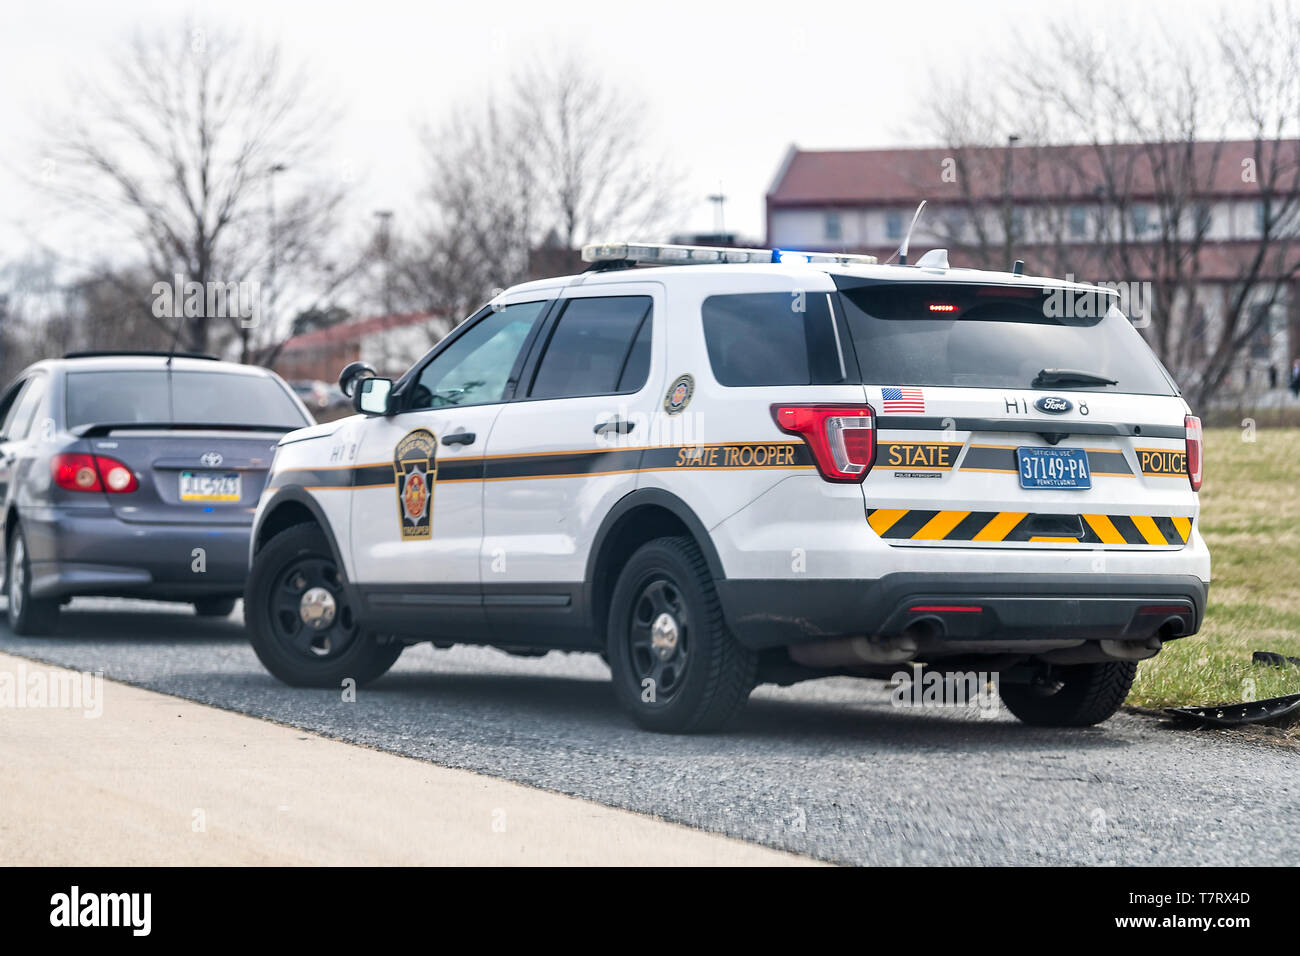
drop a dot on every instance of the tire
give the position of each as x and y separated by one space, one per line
27 615
296 561
214 607
701 674
1079 695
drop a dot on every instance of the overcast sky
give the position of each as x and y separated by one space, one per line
729 85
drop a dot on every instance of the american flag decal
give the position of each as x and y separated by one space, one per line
903 399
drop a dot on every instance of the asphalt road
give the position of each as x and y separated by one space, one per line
828 768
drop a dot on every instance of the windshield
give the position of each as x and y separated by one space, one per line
197 398
981 336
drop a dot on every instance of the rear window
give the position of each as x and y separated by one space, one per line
198 398
772 338
995 337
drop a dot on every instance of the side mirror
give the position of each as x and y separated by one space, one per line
351 373
371 396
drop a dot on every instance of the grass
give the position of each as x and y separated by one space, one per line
1250 516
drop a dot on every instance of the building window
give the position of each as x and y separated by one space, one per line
1078 222
834 228
1017 223
1203 218
1140 219
893 224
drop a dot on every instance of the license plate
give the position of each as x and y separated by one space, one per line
1053 468
210 486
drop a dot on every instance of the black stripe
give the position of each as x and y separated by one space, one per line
1109 461
575 463
1020 532
1000 459
778 454
1167 528
313 478
1127 529
376 475
1070 427
909 524
971 525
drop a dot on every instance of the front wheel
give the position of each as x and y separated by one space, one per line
300 622
676 666
27 615
1075 696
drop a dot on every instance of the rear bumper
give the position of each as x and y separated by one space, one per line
975 607
95 553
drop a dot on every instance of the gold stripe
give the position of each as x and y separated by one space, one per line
937 528
1001 526
1184 526
882 519
1148 529
1105 529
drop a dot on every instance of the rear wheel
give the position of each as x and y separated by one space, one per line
676 667
26 615
214 607
1075 696
300 622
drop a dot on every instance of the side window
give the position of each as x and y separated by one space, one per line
20 420
772 338
599 346
474 369
7 402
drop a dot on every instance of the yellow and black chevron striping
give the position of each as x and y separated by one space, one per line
914 524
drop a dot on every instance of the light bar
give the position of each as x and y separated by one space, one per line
665 255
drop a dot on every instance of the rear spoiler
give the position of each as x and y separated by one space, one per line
100 429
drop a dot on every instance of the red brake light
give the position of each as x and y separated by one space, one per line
78 472
937 307
1195 451
118 478
842 437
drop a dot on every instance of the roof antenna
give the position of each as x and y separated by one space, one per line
907 239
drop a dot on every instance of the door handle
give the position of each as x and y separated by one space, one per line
459 438
614 425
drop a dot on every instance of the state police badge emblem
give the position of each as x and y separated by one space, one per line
415 468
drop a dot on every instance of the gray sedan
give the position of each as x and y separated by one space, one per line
133 474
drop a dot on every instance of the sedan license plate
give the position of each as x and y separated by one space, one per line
210 486
1053 468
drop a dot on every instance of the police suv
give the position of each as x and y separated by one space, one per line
746 466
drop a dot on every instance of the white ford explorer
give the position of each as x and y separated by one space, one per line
739 466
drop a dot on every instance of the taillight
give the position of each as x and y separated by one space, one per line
77 472
842 437
1195 451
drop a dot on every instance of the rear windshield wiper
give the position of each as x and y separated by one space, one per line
1069 376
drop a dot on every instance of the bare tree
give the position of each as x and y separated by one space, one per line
1139 148
590 152
565 159
181 145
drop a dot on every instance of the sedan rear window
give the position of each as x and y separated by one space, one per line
984 336
178 397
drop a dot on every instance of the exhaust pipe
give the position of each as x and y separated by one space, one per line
853 651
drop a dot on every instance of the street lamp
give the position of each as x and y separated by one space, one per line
272 239
385 217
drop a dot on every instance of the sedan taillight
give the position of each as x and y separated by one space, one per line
842 437
74 471
1195 451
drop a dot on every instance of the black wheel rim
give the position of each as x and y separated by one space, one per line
659 640
309 613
